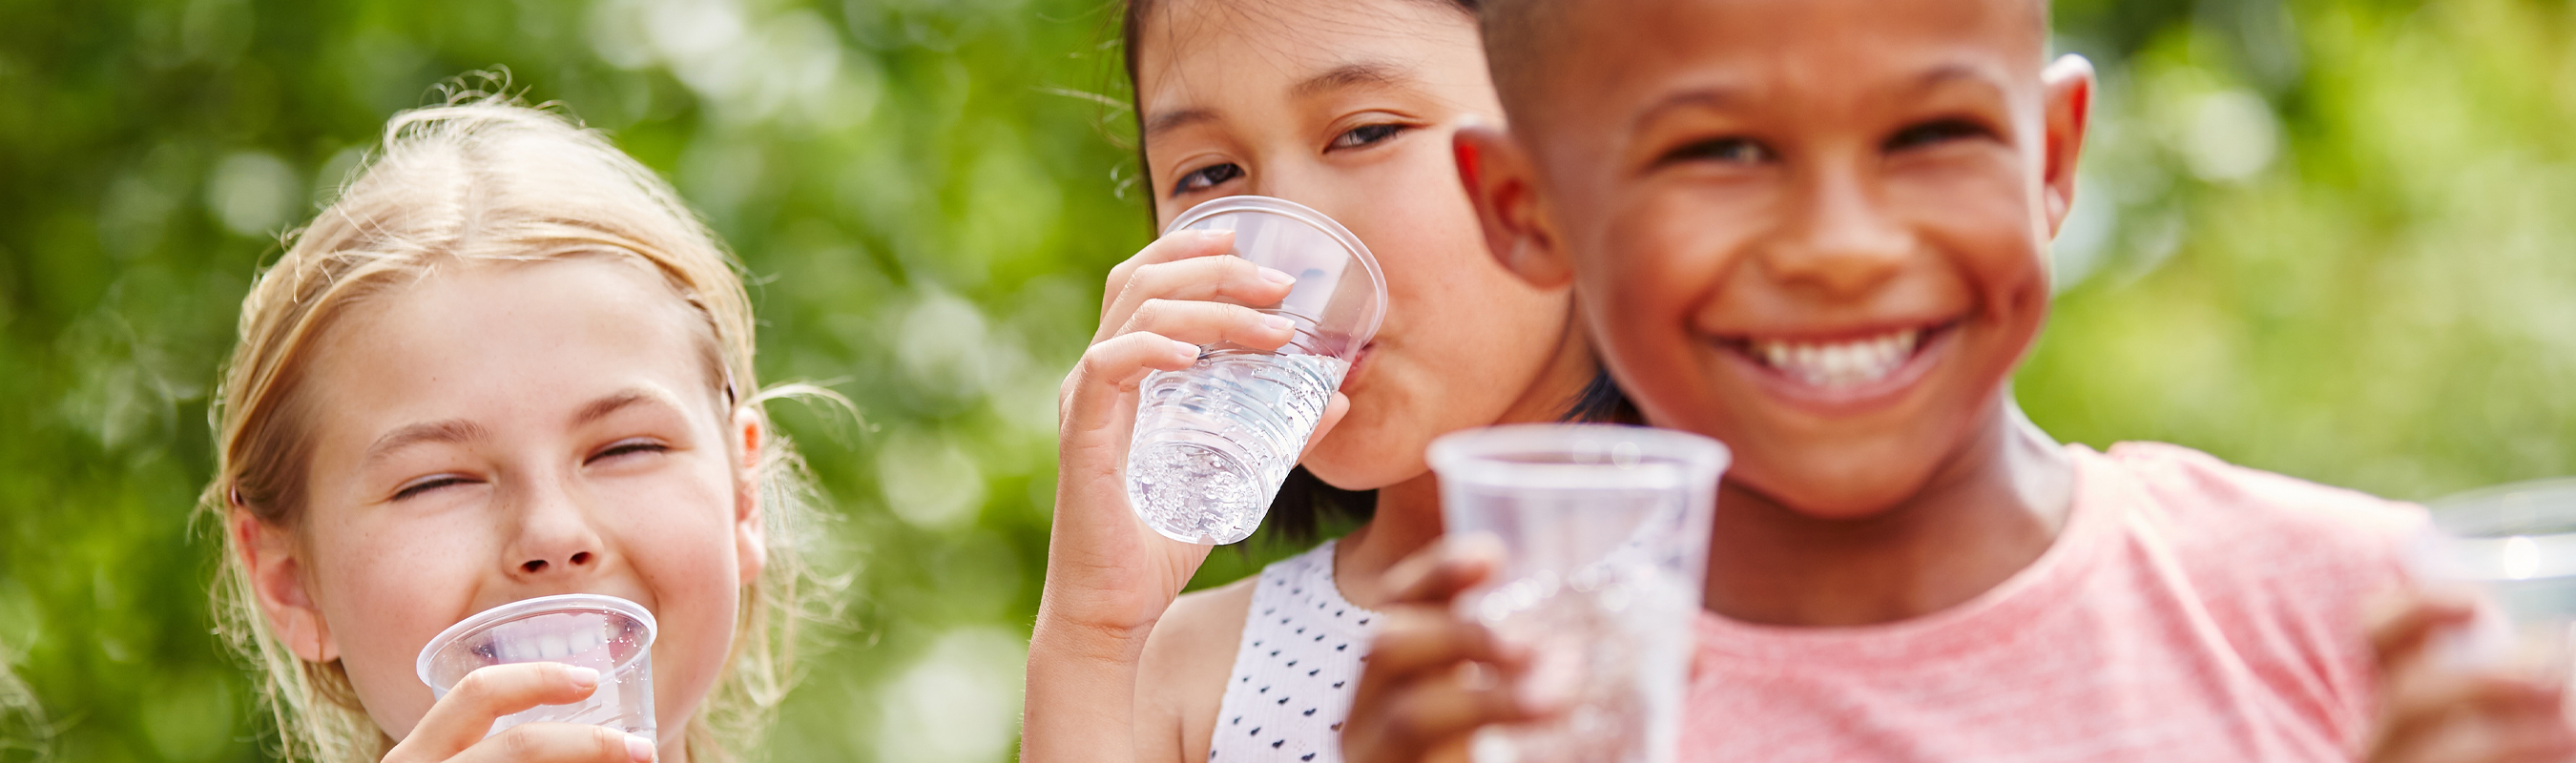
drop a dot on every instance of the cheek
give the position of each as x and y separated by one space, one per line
675 528
386 588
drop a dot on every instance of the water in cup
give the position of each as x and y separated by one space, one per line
1213 442
1605 536
604 633
1231 428
2517 544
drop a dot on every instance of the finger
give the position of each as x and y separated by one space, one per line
1180 245
1334 409
2474 738
2407 623
1435 575
1232 280
2429 702
1442 712
1097 395
1418 642
1209 323
461 718
559 743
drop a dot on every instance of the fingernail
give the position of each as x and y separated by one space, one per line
582 678
1185 351
1277 276
1213 236
1277 322
639 749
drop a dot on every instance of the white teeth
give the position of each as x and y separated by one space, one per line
1840 364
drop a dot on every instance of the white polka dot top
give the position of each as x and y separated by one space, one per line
1296 668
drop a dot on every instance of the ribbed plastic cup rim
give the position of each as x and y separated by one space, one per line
570 602
1304 214
2476 540
1663 458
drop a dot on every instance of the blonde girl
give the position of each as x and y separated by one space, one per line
507 362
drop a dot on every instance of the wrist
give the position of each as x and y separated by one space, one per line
1061 634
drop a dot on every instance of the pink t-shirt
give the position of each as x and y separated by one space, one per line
2189 611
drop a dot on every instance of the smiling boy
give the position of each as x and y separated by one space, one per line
1818 230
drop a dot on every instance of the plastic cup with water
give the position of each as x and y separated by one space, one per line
1213 442
604 633
2517 545
1604 530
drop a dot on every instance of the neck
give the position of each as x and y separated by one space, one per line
1985 514
1406 520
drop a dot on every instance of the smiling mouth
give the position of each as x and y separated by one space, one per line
1843 363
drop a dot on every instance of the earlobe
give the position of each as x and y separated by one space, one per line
2069 90
276 574
1499 183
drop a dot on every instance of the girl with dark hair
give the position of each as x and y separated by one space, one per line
1346 106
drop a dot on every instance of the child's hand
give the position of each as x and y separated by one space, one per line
1106 571
1433 679
1109 578
2433 710
454 728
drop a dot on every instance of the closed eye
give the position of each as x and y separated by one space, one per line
1206 177
626 448
1367 135
1729 150
1935 132
430 483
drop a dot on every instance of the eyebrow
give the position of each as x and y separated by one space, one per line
1719 97
1174 120
1358 74
612 403
449 431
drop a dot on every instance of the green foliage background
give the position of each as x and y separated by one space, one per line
2330 238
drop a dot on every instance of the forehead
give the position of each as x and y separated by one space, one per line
510 335
1192 53
1802 47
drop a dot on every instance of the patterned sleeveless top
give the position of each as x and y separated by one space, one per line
1296 668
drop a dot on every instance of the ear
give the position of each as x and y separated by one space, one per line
750 530
2069 85
275 565
1499 181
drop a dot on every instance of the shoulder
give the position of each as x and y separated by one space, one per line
2283 568
2199 496
1201 626
1180 681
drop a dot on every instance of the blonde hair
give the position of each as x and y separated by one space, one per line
486 179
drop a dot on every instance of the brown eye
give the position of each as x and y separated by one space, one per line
1741 151
1935 133
1207 177
1367 135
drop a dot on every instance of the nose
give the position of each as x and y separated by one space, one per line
555 536
1838 238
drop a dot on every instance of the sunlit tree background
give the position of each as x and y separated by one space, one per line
2331 238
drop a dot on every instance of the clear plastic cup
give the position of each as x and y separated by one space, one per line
2517 545
1605 537
1214 441
604 633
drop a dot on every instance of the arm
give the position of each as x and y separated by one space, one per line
1109 578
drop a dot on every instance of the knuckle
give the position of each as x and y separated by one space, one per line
520 742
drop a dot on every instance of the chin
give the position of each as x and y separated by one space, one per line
1835 487
1365 468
